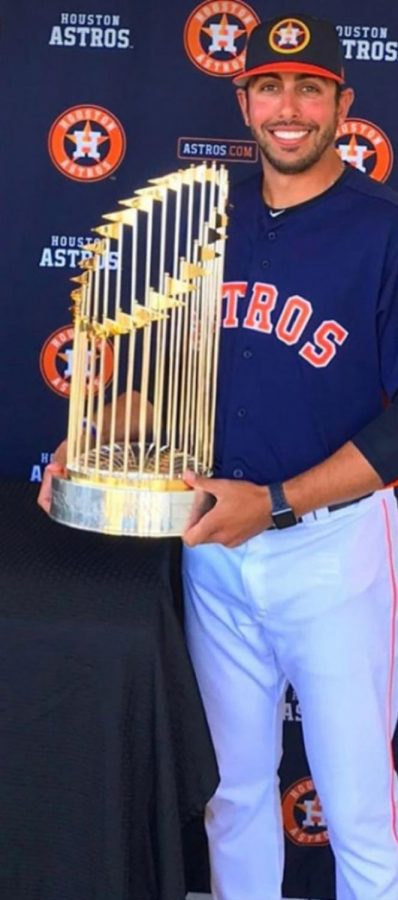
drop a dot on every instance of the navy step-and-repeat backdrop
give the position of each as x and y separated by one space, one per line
99 96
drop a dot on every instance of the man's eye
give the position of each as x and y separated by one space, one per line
310 88
268 86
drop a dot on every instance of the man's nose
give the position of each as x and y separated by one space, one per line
289 104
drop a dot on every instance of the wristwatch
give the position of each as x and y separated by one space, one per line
282 514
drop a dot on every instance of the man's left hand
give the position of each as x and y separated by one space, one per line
241 510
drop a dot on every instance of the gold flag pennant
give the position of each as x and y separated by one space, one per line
108 231
76 295
89 263
190 270
207 253
163 301
84 278
177 286
95 247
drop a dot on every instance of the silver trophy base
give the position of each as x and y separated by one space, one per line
120 510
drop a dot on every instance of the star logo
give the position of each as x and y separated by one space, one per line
215 38
56 361
86 143
303 817
365 146
289 36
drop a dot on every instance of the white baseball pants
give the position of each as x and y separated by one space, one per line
316 605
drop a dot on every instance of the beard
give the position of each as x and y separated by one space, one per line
323 140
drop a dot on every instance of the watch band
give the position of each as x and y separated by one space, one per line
282 514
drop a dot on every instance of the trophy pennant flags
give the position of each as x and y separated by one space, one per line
148 302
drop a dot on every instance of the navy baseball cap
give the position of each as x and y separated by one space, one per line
293 44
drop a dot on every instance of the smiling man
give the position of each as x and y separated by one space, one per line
292 574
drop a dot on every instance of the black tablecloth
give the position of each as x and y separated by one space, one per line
104 749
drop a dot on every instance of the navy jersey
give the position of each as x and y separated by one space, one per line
309 340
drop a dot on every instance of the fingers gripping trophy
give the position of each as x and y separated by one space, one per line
160 309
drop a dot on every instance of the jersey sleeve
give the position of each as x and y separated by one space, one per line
378 441
387 319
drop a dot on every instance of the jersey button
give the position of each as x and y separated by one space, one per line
237 473
265 263
241 412
272 235
247 354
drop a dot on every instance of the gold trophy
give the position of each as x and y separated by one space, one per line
160 308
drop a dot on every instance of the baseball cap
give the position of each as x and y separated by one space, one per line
293 44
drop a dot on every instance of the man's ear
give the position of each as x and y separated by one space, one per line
241 96
346 100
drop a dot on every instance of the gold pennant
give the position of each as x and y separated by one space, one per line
163 301
95 247
177 286
143 204
84 278
152 193
115 327
142 316
98 330
189 270
204 173
76 295
207 253
173 181
125 319
108 231
89 263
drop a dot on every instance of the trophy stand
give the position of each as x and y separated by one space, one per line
160 308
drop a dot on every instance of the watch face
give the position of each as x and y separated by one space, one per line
284 519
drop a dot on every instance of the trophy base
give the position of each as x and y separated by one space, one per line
110 509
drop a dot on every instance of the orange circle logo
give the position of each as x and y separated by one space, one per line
56 361
303 816
366 147
87 143
215 36
289 36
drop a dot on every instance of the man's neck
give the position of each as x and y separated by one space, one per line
281 191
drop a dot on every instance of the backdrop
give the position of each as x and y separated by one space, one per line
98 97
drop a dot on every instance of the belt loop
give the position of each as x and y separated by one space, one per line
322 513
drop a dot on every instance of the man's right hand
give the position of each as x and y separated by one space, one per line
56 467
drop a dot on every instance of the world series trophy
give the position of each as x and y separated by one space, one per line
160 308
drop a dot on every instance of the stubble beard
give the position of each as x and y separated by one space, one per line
325 139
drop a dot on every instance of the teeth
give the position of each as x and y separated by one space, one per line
290 135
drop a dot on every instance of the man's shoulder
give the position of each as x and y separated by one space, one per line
378 194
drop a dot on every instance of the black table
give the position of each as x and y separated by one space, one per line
104 748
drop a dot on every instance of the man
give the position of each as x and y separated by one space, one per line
291 575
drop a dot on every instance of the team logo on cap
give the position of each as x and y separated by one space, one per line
289 36
366 147
56 361
87 143
303 817
215 36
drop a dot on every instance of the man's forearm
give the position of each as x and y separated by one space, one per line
345 475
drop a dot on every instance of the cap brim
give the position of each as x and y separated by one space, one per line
306 68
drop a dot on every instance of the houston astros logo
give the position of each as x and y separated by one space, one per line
215 36
365 146
56 361
303 818
289 36
87 143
